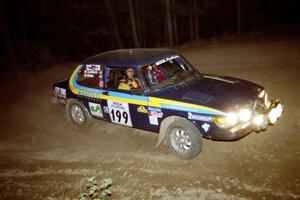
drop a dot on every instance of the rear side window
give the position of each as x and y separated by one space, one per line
91 75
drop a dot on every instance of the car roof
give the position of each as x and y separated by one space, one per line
130 57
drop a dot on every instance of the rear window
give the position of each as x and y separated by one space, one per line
91 75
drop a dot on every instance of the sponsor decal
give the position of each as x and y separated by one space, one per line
96 109
88 94
88 75
155 112
204 118
119 113
205 127
60 92
91 70
142 109
153 120
117 105
166 59
105 109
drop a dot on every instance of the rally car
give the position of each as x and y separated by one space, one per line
170 97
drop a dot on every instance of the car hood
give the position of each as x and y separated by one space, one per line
219 92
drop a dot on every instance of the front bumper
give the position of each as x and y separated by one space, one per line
259 122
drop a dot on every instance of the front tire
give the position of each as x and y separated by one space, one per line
76 112
184 139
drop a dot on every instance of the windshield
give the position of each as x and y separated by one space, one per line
166 72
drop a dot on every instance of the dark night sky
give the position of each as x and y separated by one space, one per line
70 29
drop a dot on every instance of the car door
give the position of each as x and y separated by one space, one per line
124 107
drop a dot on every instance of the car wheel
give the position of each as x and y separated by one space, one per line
184 139
77 112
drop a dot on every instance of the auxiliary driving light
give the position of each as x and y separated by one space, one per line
258 120
273 116
245 115
275 113
279 110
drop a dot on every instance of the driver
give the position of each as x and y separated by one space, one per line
129 82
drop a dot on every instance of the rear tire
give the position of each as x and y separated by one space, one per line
184 139
77 112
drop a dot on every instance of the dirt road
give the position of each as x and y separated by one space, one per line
42 156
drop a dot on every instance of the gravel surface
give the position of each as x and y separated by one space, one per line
42 156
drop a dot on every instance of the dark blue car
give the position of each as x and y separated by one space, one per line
159 91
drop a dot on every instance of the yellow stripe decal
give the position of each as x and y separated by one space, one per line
141 100
72 88
131 101
171 104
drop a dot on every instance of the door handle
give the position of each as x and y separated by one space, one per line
105 93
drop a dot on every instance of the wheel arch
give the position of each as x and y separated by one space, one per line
163 127
71 101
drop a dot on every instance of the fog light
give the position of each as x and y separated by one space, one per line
258 120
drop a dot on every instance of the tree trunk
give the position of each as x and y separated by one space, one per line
25 48
138 9
114 24
4 31
133 25
169 23
175 28
191 21
239 20
196 20
240 14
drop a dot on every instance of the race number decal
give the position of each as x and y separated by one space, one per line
119 113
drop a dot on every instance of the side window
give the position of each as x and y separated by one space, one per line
122 78
91 75
113 76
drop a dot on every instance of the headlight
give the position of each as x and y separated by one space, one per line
225 121
245 115
231 119
258 120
